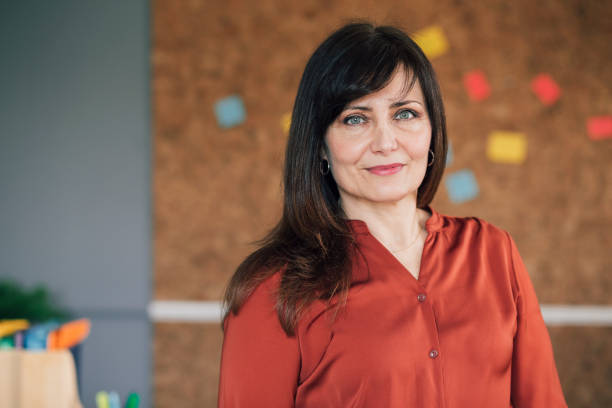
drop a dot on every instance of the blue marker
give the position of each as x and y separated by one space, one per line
113 400
35 338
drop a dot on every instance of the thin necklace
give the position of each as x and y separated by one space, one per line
413 241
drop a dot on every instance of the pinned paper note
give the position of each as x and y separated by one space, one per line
230 111
599 127
286 122
449 154
477 85
546 89
461 186
432 41
507 147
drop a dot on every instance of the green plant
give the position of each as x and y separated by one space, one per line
35 305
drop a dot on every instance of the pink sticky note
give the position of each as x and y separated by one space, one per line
599 127
477 86
546 89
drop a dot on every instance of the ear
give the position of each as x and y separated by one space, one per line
323 153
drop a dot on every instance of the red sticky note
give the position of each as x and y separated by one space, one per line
599 127
546 89
477 86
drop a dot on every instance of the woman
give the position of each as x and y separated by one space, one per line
363 295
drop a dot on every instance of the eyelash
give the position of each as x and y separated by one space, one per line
346 119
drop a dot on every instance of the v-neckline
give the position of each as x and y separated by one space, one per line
432 225
405 271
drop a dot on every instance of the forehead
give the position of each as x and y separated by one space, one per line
399 87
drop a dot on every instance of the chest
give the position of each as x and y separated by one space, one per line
411 260
381 348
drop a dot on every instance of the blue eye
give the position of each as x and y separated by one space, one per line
353 120
405 114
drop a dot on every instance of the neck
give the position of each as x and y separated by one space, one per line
397 224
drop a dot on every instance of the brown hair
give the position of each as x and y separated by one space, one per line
312 241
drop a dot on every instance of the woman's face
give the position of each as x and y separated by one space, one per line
378 146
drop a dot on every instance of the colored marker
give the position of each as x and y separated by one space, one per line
69 334
35 337
102 399
133 401
7 342
113 400
8 327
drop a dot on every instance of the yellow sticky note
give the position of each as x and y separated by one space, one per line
507 147
432 41
286 122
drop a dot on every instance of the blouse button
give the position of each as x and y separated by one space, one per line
433 353
421 297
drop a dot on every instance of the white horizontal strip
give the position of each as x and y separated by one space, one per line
577 315
210 312
180 311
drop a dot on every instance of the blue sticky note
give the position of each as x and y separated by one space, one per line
461 186
230 111
449 154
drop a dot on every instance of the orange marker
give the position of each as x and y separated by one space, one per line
69 334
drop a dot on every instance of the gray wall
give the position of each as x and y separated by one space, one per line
75 188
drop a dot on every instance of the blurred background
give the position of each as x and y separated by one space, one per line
141 148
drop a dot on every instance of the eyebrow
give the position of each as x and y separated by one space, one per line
393 105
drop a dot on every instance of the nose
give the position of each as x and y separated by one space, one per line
383 139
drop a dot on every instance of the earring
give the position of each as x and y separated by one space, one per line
432 158
324 167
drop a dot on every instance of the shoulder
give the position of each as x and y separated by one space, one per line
476 234
472 227
258 307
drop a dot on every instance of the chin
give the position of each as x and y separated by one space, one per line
390 195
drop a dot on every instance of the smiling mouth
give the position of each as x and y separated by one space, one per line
386 170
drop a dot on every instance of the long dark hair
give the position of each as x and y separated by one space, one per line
311 243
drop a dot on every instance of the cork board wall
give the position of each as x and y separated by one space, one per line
216 190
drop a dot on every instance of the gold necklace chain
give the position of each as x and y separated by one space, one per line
413 241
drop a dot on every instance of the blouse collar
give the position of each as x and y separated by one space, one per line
361 273
434 222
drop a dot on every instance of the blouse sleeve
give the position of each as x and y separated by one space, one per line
535 381
260 364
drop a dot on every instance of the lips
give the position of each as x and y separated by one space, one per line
386 169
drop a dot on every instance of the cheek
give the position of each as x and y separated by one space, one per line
418 147
345 152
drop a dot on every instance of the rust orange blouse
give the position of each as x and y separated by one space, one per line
467 333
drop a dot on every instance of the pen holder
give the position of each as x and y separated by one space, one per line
38 379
